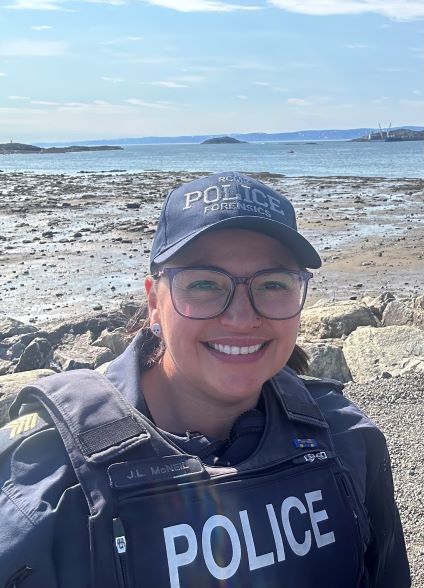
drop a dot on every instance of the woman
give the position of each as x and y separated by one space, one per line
201 458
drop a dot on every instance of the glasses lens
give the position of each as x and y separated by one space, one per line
278 294
199 293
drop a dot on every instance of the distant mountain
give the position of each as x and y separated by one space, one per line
21 148
311 135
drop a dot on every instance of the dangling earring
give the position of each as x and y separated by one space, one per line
155 328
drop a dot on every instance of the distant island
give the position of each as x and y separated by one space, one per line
219 140
389 135
21 148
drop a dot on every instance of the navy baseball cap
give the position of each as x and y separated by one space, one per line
223 201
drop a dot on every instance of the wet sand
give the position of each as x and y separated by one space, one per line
71 244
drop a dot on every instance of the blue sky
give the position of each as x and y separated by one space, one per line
72 69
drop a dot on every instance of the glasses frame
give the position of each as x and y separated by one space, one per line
171 272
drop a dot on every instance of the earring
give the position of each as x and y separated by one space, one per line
155 328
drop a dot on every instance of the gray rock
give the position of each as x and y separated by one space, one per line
10 326
336 319
401 313
327 361
77 352
5 367
35 356
396 350
378 304
117 341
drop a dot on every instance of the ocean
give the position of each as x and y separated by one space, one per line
325 158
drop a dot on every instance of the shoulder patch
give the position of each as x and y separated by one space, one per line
13 432
21 424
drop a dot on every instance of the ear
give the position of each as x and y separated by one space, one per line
152 299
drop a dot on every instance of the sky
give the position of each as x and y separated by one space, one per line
97 69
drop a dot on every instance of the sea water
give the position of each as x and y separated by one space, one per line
325 158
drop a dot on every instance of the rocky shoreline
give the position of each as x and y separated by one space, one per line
69 244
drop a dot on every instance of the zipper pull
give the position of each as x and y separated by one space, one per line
120 552
120 540
18 577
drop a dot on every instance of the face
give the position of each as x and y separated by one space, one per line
193 360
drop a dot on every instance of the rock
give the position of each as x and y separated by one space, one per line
327 361
13 382
117 341
336 319
396 350
378 304
77 352
35 356
10 327
5 367
399 313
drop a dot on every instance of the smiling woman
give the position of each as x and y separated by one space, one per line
201 457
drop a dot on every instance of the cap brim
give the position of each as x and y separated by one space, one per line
300 247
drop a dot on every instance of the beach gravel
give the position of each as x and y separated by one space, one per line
396 405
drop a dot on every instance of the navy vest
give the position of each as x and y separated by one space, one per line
288 516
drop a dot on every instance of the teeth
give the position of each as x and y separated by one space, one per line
234 349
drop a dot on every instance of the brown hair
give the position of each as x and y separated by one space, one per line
152 348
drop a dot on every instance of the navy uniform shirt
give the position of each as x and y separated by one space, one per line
43 510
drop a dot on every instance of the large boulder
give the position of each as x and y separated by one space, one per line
336 319
327 361
391 351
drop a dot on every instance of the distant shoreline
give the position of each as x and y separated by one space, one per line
24 149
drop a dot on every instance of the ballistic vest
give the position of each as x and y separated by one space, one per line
288 516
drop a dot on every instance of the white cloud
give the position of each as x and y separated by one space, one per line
41 28
200 5
169 84
393 9
261 83
35 5
112 80
162 104
18 97
3 74
241 96
26 48
416 92
45 103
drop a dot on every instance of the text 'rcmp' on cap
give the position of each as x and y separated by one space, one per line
223 201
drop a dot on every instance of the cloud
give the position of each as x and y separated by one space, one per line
169 84
161 104
18 97
261 83
35 5
393 9
242 97
25 48
41 28
3 74
200 5
112 80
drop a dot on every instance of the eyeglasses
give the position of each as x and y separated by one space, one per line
205 292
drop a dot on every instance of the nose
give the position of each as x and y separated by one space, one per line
240 314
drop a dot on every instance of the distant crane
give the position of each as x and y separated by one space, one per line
386 132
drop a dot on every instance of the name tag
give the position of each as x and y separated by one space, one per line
154 471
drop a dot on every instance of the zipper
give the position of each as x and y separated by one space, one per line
120 552
18 577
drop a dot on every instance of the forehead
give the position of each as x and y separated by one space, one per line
234 249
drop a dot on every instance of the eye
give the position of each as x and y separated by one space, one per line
273 285
206 285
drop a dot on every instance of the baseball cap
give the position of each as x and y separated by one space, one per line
222 201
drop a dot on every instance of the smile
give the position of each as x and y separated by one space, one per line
235 350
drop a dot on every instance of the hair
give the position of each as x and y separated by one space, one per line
152 348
